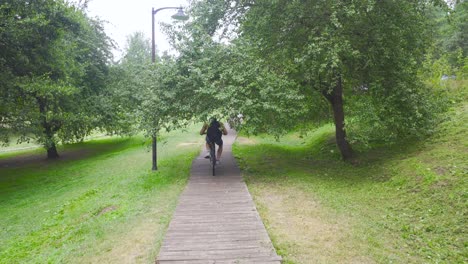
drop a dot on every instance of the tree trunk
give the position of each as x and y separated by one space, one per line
336 100
52 151
49 129
50 144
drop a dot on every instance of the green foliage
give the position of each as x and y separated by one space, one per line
299 50
129 82
53 61
137 51
448 53
374 45
226 80
456 35
405 113
146 94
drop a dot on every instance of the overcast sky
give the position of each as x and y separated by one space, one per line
127 16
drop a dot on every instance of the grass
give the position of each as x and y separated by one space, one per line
100 203
401 204
14 149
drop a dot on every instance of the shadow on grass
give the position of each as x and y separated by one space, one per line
29 174
320 158
410 193
70 152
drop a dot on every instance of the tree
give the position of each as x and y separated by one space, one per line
448 52
212 78
129 82
138 50
458 33
144 91
53 60
369 50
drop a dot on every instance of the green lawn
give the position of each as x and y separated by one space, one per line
14 148
402 204
99 203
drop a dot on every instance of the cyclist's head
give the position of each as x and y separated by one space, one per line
213 119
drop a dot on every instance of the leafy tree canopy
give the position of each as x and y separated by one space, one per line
54 62
286 60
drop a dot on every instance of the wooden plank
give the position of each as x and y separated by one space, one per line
202 238
247 216
216 220
215 239
216 227
218 247
196 245
224 261
213 254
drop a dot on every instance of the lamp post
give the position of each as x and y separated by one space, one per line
180 15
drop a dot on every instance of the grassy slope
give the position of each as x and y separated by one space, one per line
27 148
404 204
104 207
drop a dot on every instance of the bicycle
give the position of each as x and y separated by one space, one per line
212 156
214 132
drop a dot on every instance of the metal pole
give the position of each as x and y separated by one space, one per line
153 59
155 164
153 45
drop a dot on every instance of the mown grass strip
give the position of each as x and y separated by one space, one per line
405 203
99 203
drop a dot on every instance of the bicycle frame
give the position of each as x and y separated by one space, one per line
212 156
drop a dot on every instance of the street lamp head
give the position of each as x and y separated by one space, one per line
180 15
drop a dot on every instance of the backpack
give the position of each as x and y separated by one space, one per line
213 132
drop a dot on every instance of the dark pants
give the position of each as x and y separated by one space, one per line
218 142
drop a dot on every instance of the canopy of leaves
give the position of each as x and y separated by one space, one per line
54 63
145 94
448 53
287 54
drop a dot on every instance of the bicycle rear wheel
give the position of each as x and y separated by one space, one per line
213 157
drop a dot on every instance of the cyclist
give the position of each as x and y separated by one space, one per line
214 131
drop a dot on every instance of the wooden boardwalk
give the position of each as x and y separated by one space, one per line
216 220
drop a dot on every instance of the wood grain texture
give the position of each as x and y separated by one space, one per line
216 220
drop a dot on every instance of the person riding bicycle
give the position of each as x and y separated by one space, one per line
214 132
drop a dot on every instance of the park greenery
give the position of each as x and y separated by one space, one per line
296 62
100 204
373 68
401 204
54 64
363 94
